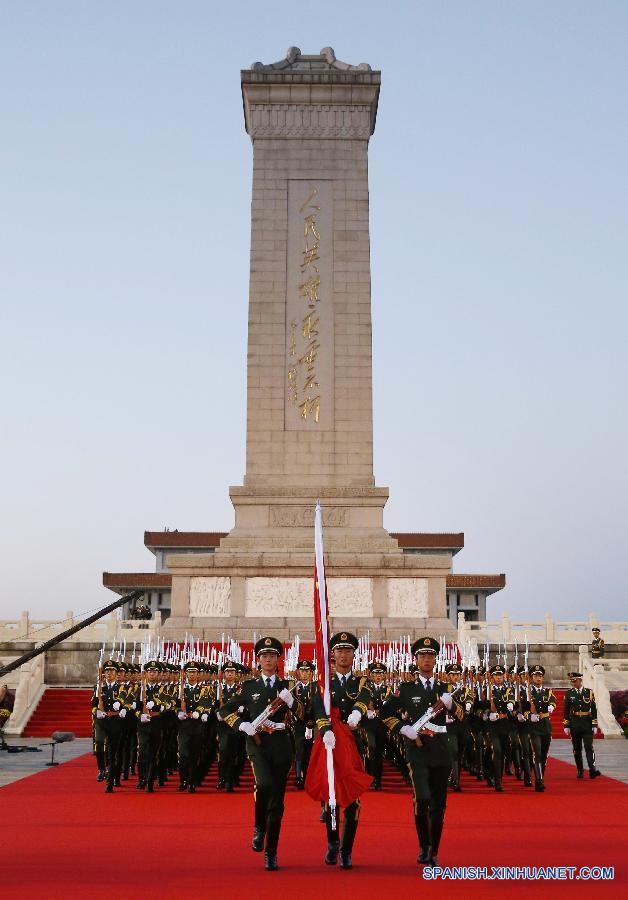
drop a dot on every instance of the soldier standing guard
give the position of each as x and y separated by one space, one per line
227 739
597 645
149 730
268 744
195 703
350 694
427 752
580 723
502 703
376 731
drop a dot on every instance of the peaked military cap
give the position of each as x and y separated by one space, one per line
522 670
497 670
152 666
425 645
191 666
573 675
229 666
596 629
110 664
537 670
454 669
343 639
306 664
377 667
268 644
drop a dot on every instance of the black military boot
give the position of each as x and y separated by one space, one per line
100 776
437 830
580 773
333 838
422 823
182 786
349 830
298 775
594 773
257 844
331 857
538 778
272 842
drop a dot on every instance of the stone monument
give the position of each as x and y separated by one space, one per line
309 380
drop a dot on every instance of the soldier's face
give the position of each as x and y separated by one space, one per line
305 675
426 663
192 677
230 677
268 661
577 683
377 677
110 676
537 679
498 679
152 676
343 657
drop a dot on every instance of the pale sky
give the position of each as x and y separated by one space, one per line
499 229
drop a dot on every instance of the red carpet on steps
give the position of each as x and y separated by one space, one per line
65 838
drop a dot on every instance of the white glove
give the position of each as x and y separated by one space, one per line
100 714
204 717
468 706
354 718
521 717
329 739
116 705
370 714
447 700
493 717
195 714
181 715
510 707
410 732
240 709
534 717
161 708
551 708
122 713
596 729
287 698
150 704
134 705
308 734
219 717
247 728
567 731
144 718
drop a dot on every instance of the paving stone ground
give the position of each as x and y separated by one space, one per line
611 757
14 766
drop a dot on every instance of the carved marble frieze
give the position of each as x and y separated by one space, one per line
310 120
303 516
407 597
210 596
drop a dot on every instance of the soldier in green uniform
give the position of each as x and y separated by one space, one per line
523 727
540 704
303 729
268 746
457 729
194 706
109 712
597 645
502 704
351 696
376 731
153 702
427 752
228 740
580 723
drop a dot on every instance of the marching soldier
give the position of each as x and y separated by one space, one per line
376 731
502 704
195 703
153 701
427 752
457 729
597 645
109 712
228 740
580 723
540 704
351 695
268 744
303 729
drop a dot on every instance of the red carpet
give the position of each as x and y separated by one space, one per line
65 838
62 709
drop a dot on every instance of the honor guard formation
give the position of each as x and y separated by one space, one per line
179 710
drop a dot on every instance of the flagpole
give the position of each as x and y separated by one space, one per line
322 622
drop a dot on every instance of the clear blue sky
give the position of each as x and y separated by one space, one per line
499 217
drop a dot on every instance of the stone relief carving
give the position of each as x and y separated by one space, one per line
210 596
350 596
279 597
299 62
303 516
407 597
309 120
295 596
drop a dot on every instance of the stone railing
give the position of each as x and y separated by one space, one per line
594 676
28 684
539 632
29 630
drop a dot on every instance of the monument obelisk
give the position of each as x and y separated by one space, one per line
309 429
